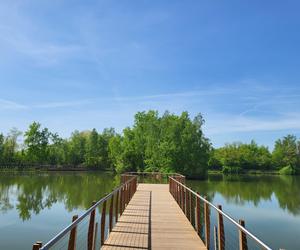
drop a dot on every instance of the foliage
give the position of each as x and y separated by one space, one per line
288 170
167 143
241 157
286 152
237 157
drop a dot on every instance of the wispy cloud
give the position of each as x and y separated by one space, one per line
62 104
46 52
11 105
21 34
235 124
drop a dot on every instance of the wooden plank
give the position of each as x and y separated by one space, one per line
153 220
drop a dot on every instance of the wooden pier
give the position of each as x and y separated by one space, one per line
153 220
138 215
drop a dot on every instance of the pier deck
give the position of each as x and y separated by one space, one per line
153 220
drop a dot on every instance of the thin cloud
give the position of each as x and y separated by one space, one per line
234 124
11 105
62 104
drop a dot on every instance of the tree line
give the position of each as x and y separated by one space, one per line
166 143
241 157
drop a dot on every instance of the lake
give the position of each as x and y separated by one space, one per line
36 206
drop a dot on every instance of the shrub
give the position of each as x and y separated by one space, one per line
288 170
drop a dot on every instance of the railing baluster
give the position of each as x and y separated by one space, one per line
73 233
187 203
221 235
111 207
121 200
198 221
242 237
117 206
207 224
91 229
184 200
190 207
103 215
215 238
95 236
37 245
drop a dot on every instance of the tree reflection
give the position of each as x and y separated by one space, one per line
31 193
253 189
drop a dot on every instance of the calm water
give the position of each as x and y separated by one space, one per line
37 206
270 205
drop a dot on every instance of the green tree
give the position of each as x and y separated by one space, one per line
10 146
92 156
56 150
1 147
169 143
286 152
76 148
37 141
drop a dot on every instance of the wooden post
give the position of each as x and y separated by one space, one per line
190 205
111 207
215 238
103 215
175 191
242 237
125 197
198 221
187 203
184 200
117 206
37 245
95 236
72 238
121 200
91 229
207 224
221 235
178 193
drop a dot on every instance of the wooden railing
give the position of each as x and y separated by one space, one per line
82 232
153 177
216 228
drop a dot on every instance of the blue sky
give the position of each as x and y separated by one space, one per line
83 64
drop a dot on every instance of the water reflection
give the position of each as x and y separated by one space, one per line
254 189
31 193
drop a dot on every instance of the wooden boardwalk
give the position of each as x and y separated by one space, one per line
153 220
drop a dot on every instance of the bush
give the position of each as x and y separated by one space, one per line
288 170
231 170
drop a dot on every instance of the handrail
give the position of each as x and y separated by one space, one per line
61 234
149 173
224 214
